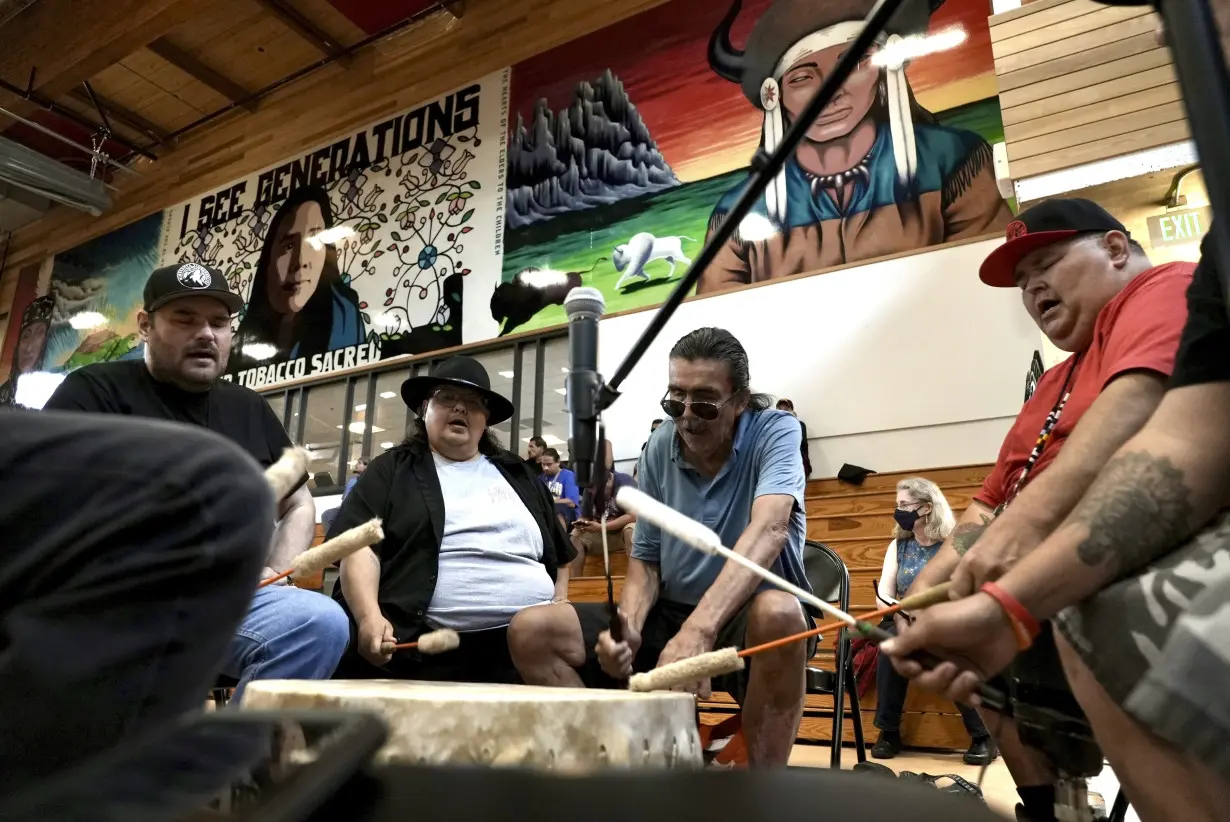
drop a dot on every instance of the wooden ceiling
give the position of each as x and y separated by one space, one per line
197 94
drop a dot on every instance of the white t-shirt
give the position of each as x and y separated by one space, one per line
491 557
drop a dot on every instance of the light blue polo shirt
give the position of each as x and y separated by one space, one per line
766 459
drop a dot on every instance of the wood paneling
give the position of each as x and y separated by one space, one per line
1080 81
956 475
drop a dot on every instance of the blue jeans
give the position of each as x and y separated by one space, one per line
288 633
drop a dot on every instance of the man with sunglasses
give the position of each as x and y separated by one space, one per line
725 458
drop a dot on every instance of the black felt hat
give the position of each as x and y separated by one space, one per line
463 372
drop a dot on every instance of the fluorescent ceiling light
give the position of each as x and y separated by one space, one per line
361 407
260 351
1053 183
563 391
387 445
330 236
508 375
549 439
565 370
358 427
87 320
543 278
388 395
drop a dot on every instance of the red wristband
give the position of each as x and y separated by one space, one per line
1023 623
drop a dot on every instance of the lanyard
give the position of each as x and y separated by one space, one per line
1044 436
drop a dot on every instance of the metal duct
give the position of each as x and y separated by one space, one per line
26 168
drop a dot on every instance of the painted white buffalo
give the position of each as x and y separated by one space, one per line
632 256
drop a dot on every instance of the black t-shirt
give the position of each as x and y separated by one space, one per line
1204 348
126 387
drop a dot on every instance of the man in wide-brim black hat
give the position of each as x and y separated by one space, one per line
875 173
471 537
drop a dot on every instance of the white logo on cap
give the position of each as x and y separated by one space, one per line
192 275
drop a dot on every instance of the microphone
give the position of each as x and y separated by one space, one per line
584 307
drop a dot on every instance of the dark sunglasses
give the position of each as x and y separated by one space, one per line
704 410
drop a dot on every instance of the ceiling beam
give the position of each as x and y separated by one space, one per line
55 45
190 65
304 27
122 115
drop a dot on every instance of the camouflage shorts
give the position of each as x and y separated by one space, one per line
1159 643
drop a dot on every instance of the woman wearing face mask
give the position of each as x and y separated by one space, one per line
924 520
470 538
298 302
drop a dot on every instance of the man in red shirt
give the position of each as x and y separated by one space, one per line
1094 293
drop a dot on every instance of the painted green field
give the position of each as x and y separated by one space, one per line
577 241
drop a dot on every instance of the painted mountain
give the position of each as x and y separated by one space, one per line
595 152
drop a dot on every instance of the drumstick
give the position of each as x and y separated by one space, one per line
703 539
433 642
692 669
288 473
327 553
915 602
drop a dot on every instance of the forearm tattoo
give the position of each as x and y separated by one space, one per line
965 535
1137 510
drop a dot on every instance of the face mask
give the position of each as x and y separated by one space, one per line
906 519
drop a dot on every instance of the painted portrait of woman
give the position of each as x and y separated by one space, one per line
875 173
31 346
298 302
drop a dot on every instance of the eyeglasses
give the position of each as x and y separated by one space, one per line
702 409
911 506
448 398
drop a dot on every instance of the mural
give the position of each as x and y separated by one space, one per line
364 248
629 146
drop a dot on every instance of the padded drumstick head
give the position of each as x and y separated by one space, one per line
437 642
340 547
668 519
705 666
285 474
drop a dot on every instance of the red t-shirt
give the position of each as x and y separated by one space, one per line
1138 330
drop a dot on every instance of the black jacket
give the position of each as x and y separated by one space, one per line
402 488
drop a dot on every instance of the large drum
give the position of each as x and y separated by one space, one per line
565 729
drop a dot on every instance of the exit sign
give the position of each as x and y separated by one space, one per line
1179 227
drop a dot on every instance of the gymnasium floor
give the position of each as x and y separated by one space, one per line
997 785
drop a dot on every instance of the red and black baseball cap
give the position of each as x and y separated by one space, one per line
1041 225
171 282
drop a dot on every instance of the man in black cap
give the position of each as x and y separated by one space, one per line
186 329
1093 293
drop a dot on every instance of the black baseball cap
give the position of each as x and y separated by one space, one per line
188 280
1039 226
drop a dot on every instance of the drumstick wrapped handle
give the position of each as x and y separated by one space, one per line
925 599
327 553
433 642
692 669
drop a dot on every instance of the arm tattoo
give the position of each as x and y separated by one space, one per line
964 536
1136 511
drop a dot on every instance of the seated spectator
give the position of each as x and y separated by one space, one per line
620 524
562 484
924 521
360 465
788 406
470 538
532 453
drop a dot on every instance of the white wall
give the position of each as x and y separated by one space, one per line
907 363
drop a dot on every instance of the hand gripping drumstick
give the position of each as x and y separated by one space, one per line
433 642
729 660
327 553
716 663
